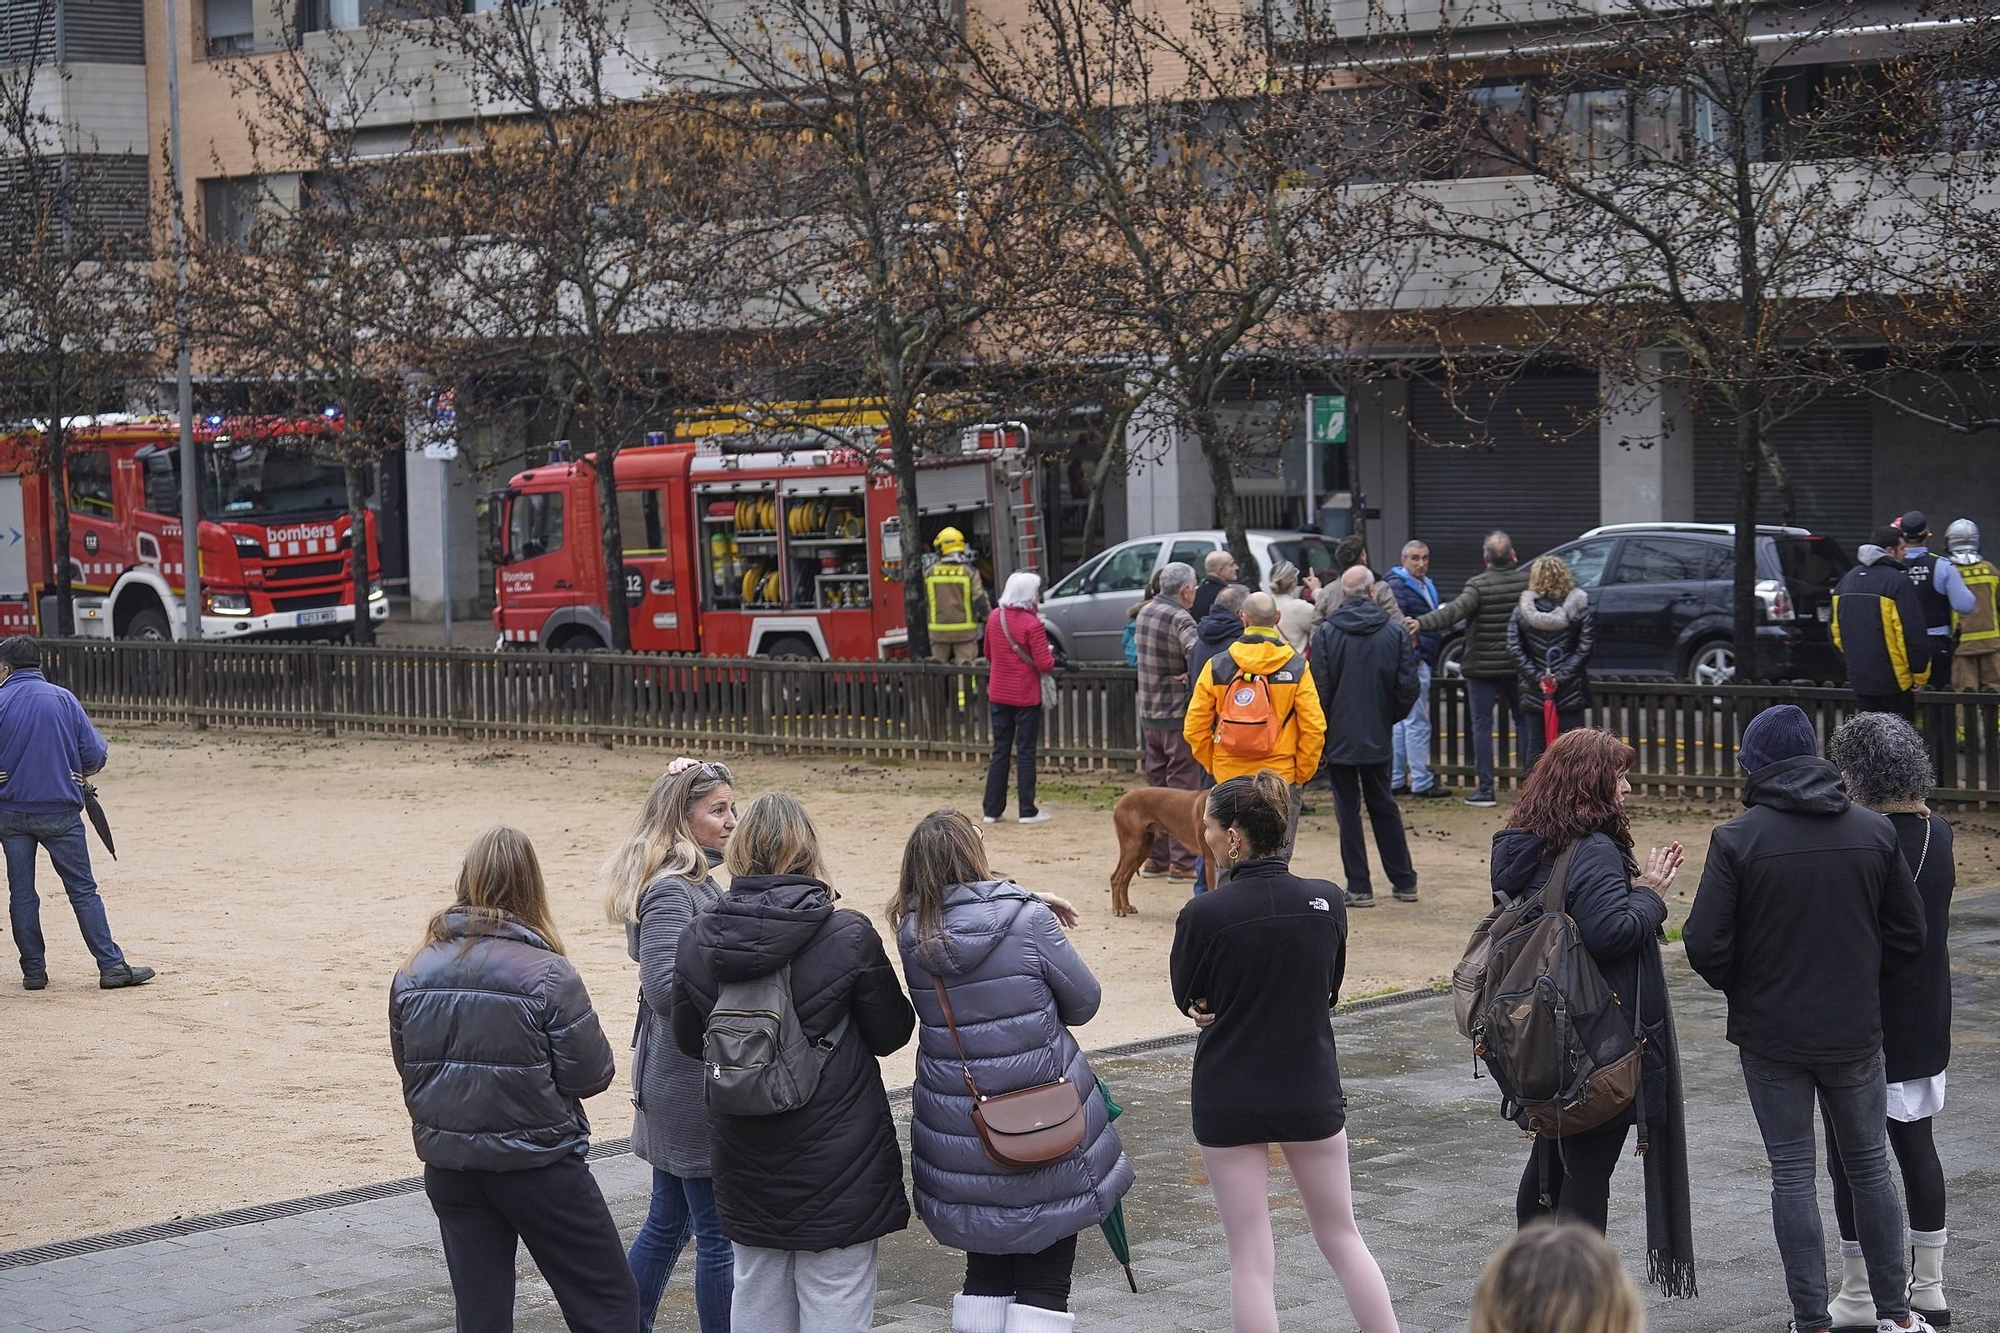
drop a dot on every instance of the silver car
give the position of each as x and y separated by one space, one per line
1086 611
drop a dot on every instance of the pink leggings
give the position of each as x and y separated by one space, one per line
1242 1180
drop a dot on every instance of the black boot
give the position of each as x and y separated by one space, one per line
122 975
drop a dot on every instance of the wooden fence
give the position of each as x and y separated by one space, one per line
897 709
1685 735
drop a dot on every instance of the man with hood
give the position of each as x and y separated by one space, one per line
1260 656
1878 628
1365 673
1803 897
1975 663
1222 626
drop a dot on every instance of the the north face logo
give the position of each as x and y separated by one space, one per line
1319 905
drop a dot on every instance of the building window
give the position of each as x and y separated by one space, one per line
229 208
333 15
228 27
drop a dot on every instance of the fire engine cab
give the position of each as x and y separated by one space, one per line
741 544
274 531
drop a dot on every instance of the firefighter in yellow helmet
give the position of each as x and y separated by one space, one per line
955 597
1975 665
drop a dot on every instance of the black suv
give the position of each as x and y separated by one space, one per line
1662 594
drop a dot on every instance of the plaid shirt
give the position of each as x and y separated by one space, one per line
1164 638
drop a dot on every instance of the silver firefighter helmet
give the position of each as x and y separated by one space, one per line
1962 538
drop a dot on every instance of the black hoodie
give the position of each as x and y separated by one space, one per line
829 1174
1803 897
1365 670
1213 633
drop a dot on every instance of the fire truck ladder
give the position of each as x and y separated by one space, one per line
1027 536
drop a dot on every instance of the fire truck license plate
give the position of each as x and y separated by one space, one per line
323 617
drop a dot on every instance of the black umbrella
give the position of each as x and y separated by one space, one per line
98 820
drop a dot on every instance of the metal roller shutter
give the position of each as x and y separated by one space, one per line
1828 452
1513 470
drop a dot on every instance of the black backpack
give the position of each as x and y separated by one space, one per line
1531 999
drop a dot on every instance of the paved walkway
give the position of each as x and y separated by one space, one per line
1434 1181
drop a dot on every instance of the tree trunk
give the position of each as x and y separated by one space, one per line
1100 476
58 475
617 610
357 550
903 460
1228 508
1745 611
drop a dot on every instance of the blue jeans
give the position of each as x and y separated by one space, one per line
1855 1098
683 1205
1483 696
63 835
1410 740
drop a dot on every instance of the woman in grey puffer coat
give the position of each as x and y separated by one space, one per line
1016 987
659 880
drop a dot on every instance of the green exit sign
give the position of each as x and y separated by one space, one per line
1329 418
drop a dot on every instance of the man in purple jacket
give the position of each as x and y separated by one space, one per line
47 748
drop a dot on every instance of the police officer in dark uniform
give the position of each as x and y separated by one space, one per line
1940 591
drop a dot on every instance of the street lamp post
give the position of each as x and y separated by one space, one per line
183 338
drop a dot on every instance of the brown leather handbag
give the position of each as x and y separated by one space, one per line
1020 1130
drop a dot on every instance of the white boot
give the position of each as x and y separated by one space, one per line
1034 1319
1854 1307
980 1314
1927 1277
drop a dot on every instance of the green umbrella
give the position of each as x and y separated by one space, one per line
1113 1226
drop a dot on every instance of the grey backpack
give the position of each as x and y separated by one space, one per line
759 1059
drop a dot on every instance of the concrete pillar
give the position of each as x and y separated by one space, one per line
1166 479
1645 446
1378 436
430 486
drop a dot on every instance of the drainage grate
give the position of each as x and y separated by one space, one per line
389 1189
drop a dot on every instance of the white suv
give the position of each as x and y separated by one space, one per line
1085 611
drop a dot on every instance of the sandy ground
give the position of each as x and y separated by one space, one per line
276 883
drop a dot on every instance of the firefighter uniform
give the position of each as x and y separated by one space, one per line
955 600
1976 664
1878 626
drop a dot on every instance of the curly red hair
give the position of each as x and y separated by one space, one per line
1573 791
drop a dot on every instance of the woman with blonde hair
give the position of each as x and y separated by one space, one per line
660 879
1550 638
805 1193
497 1044
997 955
1556 1277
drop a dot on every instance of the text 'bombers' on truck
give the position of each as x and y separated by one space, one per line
274 537
739 541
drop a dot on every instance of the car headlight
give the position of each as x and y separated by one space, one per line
377 593
227 604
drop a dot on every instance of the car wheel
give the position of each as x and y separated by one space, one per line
1451 659
149 626
1712 663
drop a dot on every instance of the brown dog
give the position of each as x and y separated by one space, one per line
1137 816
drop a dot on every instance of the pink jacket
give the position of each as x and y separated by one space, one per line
1013 682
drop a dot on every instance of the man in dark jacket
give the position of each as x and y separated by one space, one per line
815 1188
1486 605
1878 626
1219 568
1222 626
1366 672
1410 742
47 749
1803 898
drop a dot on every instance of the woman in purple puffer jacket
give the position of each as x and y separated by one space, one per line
1016 987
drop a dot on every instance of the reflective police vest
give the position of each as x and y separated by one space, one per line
948 593
1982 623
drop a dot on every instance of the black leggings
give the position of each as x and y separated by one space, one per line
1040 1280
1579 1169
1923 1177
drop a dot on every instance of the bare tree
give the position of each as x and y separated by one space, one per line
75 320
308 305
573 235
1687 195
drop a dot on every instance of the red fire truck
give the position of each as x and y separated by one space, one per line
742 542
274 533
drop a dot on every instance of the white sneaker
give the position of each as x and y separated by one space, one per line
1917 1324
1039 817
989 819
